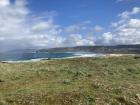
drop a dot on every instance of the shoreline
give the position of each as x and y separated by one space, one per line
78 56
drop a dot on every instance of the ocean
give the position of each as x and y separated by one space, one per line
24 56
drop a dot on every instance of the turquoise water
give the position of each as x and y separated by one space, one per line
41 55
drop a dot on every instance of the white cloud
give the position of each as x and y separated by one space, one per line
44 26
135 10
4 2
127 14
128 33
134 23
125 31
80 34
77 40
73 29
98 28
19 28
107 38
20 3
76 28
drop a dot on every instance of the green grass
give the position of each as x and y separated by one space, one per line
79 81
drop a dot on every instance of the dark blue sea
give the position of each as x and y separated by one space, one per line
19 56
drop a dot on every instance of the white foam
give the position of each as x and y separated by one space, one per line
84 55
26 61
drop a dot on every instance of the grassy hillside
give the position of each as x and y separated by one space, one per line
80 81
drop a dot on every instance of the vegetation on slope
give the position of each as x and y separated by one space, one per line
116 49
79 81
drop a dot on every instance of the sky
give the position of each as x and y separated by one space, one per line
28 24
